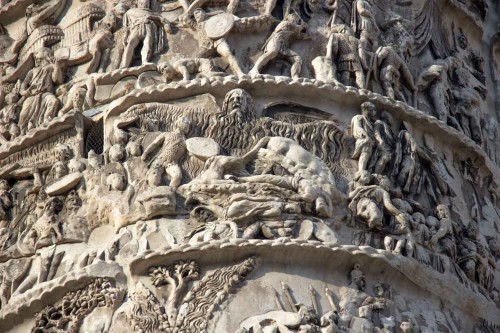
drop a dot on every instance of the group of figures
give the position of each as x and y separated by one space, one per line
367 46
402 190
356 312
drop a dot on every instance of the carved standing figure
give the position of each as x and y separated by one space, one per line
144 26
443 240
210 46
467 106
392 66
171 148
278 45
348 54
40 104
362 131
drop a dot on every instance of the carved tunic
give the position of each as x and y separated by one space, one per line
348 53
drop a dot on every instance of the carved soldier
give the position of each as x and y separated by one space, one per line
367 25
171 148
8 118
392 66
349 55
40 104
144 26
443 240
362 131
384 138
46 225
435 79
6 203
278 45
210 46
468 101
200 67
370 202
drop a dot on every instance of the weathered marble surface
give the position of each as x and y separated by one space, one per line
249 166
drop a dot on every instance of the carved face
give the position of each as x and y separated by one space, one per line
43 56
369 110
199 15
462 40
360 282
143 4
442 212
183 125
4 185
406 327
237 104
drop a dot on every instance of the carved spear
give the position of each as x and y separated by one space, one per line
312 294
286 291
329 296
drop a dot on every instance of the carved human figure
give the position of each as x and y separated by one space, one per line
200 67
6 203
351 300
36 16
40 104
396 34
171 147
362 131
46 225
9 115
370 202
443 240
278 45
209 46
349 55
434 79
392 66
384 140
367 25
60 168
144 26
467 107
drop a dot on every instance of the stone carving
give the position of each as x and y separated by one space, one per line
278 45
68 313
349 55
142 24
185 310
131 138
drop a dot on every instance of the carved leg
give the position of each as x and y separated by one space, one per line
147 48
94 63
360 79
224 50
388 90
345 78
296 66
128 53
262 61
174 173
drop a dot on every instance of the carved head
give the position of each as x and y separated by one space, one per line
116 182
293 18
379 289
385 183
406 327
462 39
32 10
369 110
388 323
307 313
442 211
199 15
154 175
43 56
238 104
183 125
167 70
472 230
133 148
357 277
73 201
4 185
63 152
60 170
144 4
12 98
418 218
53 206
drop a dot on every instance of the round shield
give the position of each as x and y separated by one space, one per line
218 26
